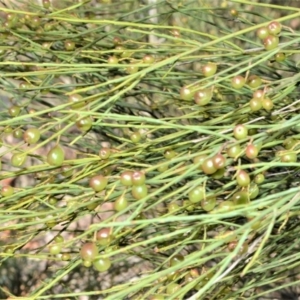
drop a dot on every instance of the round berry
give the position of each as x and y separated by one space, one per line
208 166
85 123
252 151
104 153
219 161
126 178
208 204
55 249
89 251
274 28
267 104
103 236
98 183
76 101
121 203
240 132
31 135
262 33
56 156
135 137
69 45
271 42
196 194
176 259
240 198
132 69
139 191
254 81
148 59
7 191
238 82
203 97
243 178
259 178
18 159
280 57
138 178
255 104
113 60
234 151
209 69
186 93
101 264
14 110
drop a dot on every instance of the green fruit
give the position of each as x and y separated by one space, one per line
208 204
18 133
280 57
172 288
173 207
104 153
14 110
148 59
56 156
139 191
274 27
259 178
89 251
254 81
219 161
253 191
18 159
65 257
271 42
242 178
135 137
121 203
101 264
240 132
262 33
209 69
85 123
138 178
59 239
176 259
252 151
203 97
69 45
208 166
7 191
55 249
104 236
267 104
169 154
186 93
234 151
240 198
197 194
87 263
288 156
98 183
238 82
255 104
113 60
132 69
226 206
46 4
31 135
76 101
126 178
